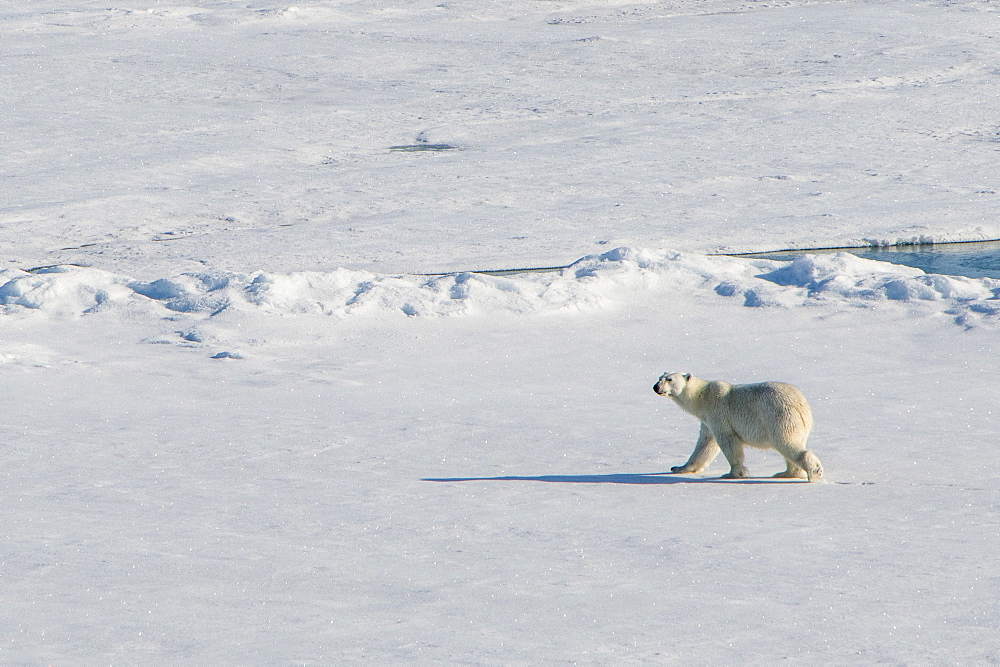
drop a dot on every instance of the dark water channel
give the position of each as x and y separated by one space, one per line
974 260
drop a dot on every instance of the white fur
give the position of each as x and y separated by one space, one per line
766 415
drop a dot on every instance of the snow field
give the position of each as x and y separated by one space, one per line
239 428
246 137
489 487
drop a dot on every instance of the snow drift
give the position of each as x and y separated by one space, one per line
594 281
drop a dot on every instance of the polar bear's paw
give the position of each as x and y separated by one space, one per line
812 466
683 469
791 473
739 472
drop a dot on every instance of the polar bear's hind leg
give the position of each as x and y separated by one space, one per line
812 466
792 471
800 463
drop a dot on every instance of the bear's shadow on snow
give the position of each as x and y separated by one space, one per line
618 478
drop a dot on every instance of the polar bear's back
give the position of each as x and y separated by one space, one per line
768 412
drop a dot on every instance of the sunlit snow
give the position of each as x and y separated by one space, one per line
266 403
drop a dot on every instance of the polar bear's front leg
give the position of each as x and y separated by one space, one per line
704 452
732 448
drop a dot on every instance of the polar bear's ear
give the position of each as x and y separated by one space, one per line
687 376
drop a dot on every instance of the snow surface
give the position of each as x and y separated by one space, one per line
240 428
155 137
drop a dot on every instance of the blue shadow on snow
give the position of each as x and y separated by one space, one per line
619 478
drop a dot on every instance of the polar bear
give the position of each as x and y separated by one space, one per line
766 415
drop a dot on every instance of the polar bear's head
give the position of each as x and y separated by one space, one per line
671 384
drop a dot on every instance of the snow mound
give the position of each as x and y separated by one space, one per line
63 289
344 292
592 282
846 276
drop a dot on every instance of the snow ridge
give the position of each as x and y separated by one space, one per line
591 282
